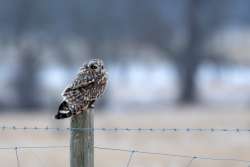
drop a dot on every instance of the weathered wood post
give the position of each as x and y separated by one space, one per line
82 142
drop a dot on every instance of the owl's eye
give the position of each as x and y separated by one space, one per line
93 66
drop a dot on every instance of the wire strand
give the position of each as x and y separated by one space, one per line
138 130
130 158
17 158
39 159
131 154
191 161
33 147
176 155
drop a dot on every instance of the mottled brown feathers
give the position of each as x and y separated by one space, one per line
88 85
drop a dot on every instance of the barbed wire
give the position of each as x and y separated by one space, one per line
131 153
175 155
32 147
138 130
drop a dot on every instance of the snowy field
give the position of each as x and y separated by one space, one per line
144 83
207 144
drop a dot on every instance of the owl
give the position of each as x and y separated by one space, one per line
88 85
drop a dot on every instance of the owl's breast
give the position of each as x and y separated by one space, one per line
87 93
97 89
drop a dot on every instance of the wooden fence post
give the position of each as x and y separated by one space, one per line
82 142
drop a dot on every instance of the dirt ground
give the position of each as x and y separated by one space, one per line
206 144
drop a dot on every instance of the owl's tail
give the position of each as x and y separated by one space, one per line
63 111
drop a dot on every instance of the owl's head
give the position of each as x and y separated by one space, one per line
96 66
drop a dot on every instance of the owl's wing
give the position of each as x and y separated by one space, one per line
81 82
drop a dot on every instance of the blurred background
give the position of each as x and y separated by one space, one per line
178 63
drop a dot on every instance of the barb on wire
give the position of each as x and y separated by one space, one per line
113 130
17 158
130 158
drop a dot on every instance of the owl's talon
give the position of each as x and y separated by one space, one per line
91 106
73 111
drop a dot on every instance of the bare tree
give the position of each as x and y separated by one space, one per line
191 56
203 17
26 80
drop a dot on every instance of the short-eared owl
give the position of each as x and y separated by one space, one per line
89 84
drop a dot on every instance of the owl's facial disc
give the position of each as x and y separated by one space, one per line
96 66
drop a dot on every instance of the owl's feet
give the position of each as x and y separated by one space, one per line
91 104
73 111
